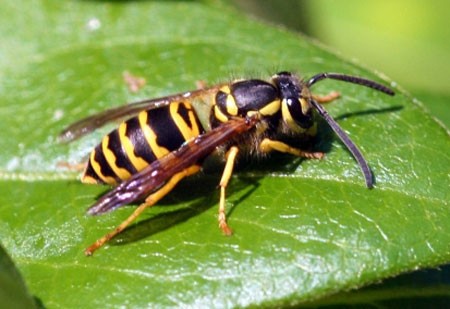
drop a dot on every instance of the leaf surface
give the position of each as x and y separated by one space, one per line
303 229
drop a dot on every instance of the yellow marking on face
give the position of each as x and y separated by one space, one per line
138 162
111 158
150 136
305 106
286 114
287 118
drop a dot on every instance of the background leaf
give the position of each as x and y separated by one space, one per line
13 293
303 229
404 39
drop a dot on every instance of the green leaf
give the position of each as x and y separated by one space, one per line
13 292
437 104
421 289
304 229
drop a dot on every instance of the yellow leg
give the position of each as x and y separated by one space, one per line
149 201
326 98
227 172
268 145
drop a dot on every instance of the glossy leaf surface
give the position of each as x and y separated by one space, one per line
303 229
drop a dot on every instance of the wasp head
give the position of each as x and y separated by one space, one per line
296 108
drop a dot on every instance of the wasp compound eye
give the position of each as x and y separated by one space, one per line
296 111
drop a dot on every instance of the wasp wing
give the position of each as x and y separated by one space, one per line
151 178
89 124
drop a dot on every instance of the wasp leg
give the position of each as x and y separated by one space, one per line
149 201
227 172
333 95
268 145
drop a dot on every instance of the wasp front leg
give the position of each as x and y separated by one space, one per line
333 95
227 173
267 145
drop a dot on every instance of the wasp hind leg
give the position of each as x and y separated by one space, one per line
226 175
151 200
268 145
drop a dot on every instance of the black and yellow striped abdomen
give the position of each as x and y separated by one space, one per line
141 140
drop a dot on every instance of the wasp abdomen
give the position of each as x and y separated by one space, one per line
141 140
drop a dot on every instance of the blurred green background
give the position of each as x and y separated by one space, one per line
408 40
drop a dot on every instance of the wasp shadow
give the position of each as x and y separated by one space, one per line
325 133
203 194
370 112
326 136
419 280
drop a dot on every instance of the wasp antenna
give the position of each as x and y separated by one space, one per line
350 79
348 143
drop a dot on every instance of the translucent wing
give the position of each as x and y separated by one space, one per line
151 178
89 124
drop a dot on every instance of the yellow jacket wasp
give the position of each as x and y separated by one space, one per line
166 139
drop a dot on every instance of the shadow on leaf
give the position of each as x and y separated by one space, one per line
205 195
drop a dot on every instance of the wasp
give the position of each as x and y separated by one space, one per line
163 140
